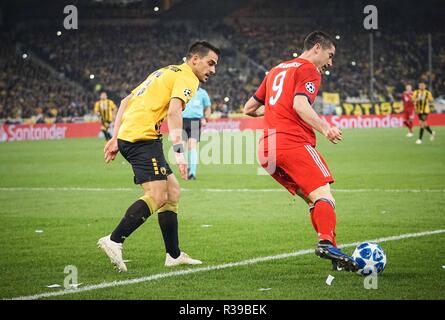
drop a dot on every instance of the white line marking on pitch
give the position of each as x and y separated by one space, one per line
216 267
214 190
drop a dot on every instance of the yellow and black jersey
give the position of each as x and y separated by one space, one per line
105 109
422 99
149 105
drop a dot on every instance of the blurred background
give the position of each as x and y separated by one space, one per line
51 74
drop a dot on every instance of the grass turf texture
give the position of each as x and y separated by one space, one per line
244 225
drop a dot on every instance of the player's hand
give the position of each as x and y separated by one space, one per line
110 150
203 122
334 134
182 164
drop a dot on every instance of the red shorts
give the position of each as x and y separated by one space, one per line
300 169
408 114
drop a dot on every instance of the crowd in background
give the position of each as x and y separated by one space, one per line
116 58
29 90
398 58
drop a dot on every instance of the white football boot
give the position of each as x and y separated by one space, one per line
418 141
409 134
183 258
114 251
432 136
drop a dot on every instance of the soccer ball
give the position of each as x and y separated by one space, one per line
370 258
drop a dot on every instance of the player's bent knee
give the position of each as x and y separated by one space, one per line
174 194
169 206
329 200
174 189
159 198
151 203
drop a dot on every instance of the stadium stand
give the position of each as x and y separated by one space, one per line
120 46
29 90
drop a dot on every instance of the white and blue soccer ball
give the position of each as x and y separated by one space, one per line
370 258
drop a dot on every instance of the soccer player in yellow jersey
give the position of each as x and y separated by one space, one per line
137 136
422 99
105 109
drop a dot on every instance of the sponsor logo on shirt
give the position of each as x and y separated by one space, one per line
289 65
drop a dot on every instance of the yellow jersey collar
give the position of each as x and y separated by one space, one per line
186 67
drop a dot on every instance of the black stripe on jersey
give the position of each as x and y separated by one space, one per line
421 105
304 94
258 99
108 110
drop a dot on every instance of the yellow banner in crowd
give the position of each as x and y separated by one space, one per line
360 109
384 108
331 98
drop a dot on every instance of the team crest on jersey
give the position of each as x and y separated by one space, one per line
187 92
310 87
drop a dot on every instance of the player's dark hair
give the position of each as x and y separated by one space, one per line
318 37
202 48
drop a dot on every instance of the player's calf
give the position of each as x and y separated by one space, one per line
324 219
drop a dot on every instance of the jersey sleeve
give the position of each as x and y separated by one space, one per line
206 100
260 94
430 96
308 83
184 88
96 107
113 105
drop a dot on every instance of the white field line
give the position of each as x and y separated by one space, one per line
215 267
216 190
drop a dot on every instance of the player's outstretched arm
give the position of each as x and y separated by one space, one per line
174 120
305 111
207 113
253 108
111 149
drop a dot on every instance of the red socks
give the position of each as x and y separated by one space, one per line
324 220
408 124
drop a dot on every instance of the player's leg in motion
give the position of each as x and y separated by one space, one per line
192 146
155 196
422 124
168 222
324 221
192 158
105 127
427 128
408 122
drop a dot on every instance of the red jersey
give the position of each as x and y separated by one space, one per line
407 99
277 92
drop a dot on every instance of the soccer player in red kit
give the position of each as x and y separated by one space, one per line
408 109
287 148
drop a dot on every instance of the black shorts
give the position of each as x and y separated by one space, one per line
146 158
191 129
422 116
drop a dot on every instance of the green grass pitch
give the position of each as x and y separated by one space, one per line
66 190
